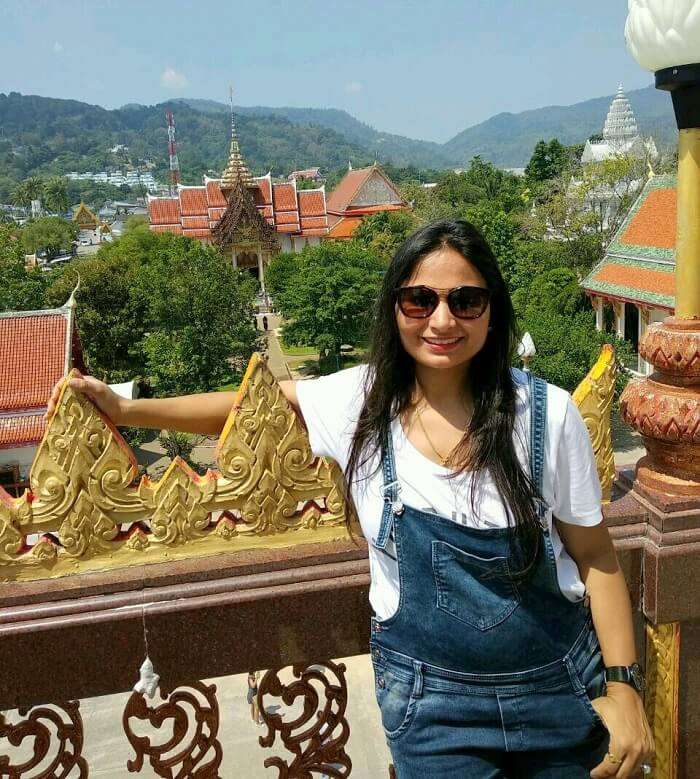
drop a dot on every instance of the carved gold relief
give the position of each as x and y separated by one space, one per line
85 512
661 697
594 396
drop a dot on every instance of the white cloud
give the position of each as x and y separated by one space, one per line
171 79
58 47
353 87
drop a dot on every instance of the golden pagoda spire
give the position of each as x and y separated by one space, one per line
236 169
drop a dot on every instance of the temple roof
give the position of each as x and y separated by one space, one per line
196 211
620 123
365 191
85 218
639 264
36 349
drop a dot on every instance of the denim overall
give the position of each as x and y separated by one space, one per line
478 677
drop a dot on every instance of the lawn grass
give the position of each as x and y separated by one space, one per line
232 387
297 351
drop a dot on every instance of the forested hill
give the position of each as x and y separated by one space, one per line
43 136
507 139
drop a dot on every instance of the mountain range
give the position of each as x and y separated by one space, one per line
43 136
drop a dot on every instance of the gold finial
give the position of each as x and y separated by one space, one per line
236 169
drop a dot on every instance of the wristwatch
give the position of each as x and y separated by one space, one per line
629 674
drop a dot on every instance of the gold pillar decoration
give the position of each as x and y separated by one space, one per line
688 237
85 510
661 696
594 396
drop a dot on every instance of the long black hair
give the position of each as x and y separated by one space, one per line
487 445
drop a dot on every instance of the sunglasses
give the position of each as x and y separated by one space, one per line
464 302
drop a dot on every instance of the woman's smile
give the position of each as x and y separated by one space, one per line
442 345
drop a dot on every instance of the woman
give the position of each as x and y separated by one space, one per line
252 697
499 605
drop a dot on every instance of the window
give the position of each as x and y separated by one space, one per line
11 481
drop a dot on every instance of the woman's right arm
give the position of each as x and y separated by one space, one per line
204 413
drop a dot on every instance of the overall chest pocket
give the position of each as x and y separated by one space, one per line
472 589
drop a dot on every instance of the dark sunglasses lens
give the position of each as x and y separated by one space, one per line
417 302
468 302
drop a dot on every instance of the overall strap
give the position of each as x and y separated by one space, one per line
390 492
538 425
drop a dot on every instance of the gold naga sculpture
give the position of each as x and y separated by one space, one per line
86 511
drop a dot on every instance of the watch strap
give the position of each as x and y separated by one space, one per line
628 674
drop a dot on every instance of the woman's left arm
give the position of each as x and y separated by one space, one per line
621 708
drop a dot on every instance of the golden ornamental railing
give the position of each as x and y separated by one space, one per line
85 510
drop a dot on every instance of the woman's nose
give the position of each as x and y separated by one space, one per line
442 316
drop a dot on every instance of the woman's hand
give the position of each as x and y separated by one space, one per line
631 740
99 393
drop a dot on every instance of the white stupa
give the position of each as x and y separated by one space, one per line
620 134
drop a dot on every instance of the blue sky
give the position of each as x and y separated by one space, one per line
425 70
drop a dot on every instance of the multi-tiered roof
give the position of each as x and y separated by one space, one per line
620 134
198 211
639 263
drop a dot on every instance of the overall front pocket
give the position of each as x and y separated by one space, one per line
397 705
473 589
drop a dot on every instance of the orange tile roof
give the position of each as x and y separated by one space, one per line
638 279
344 228
197 210
283 197
357 210
176 229
215 196
193 201
311 203
347 187
32 358
286 217
654 224
189 222
21 430
312 222
265 189
164 211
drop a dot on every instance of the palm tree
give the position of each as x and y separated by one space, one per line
21 196
35 187
55 195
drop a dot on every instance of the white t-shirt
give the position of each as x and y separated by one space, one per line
331 405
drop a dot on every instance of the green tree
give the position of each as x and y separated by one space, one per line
21 196
35 187
164 307
20 289
499 230
556 313
50 234
55 195
384 232
548 161
327 301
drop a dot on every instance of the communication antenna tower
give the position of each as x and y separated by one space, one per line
172 154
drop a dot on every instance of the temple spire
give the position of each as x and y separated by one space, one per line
236 169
